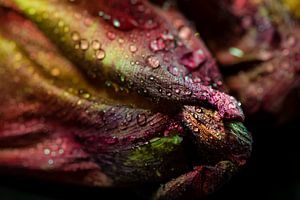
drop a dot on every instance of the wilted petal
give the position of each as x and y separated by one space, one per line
48 101
143 64
117 81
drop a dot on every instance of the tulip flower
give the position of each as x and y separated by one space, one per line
115 94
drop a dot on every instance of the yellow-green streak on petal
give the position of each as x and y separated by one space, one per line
21 66
154 151
53 19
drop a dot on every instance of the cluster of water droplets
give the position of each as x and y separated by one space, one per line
84 45
165 42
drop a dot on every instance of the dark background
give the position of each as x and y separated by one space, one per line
273 172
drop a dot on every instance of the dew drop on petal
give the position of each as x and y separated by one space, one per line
151 78
96 44
141 119
111 35
184 32
199 110
77 46
133 48
160 90
61 151
75 36
196 129
50 161
121 40
188 93
157 45
55 72
236 52
128 117
153 62
84 44
100 54
47 151
116 23
88 22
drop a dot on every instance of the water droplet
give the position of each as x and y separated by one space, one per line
84 44
116 23
121 40
108 83
66 29
61 23
100 54
111 35
151 78
88 21
119 20
169 94
122 78
157 45
50 162
188 93
61 151
153 62
101 13
184 32
236 52
75 36
198 110
47 151
141 119
128 117
160 90
133 48
77 46
197 80
152 123
86 95
96 44
55 72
